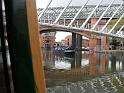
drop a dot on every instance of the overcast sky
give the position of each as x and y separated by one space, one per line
43 3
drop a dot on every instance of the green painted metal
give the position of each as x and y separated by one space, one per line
19 46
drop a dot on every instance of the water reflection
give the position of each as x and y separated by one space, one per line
84 72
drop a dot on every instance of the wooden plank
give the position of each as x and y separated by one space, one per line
35 46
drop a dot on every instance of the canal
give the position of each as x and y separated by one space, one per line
84 72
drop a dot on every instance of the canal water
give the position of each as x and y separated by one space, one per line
84 72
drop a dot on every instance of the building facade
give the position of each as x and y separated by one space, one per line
48 39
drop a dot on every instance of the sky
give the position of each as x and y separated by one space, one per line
61 35
43 3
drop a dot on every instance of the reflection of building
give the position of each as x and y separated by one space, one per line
49 59
68 40
98 63
85 42
48 39
63 42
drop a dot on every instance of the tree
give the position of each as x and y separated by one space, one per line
119 25
115 42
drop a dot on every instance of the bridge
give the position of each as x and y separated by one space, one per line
23 37
80 18
92 21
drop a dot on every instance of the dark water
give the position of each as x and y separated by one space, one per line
84 72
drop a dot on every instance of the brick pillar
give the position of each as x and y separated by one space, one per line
104 43
94 44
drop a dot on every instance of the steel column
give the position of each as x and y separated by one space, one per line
91 14
73 41
79 42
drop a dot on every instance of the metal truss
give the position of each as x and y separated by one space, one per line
78 18
70 12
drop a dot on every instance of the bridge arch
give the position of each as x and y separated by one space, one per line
86 34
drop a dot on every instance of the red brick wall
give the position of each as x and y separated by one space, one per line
68 40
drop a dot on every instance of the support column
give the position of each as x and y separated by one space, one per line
76 62
24 46
73 41
104 43
92 63
95 44
78 57
79 42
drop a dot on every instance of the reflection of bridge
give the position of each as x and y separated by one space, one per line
92 21
80 79
98 64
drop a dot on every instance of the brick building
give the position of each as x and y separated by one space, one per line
68 40
48 39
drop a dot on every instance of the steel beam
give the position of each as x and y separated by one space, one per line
111 18
102 15
91 14
72 11
44 10
78 13
74 30
62 12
